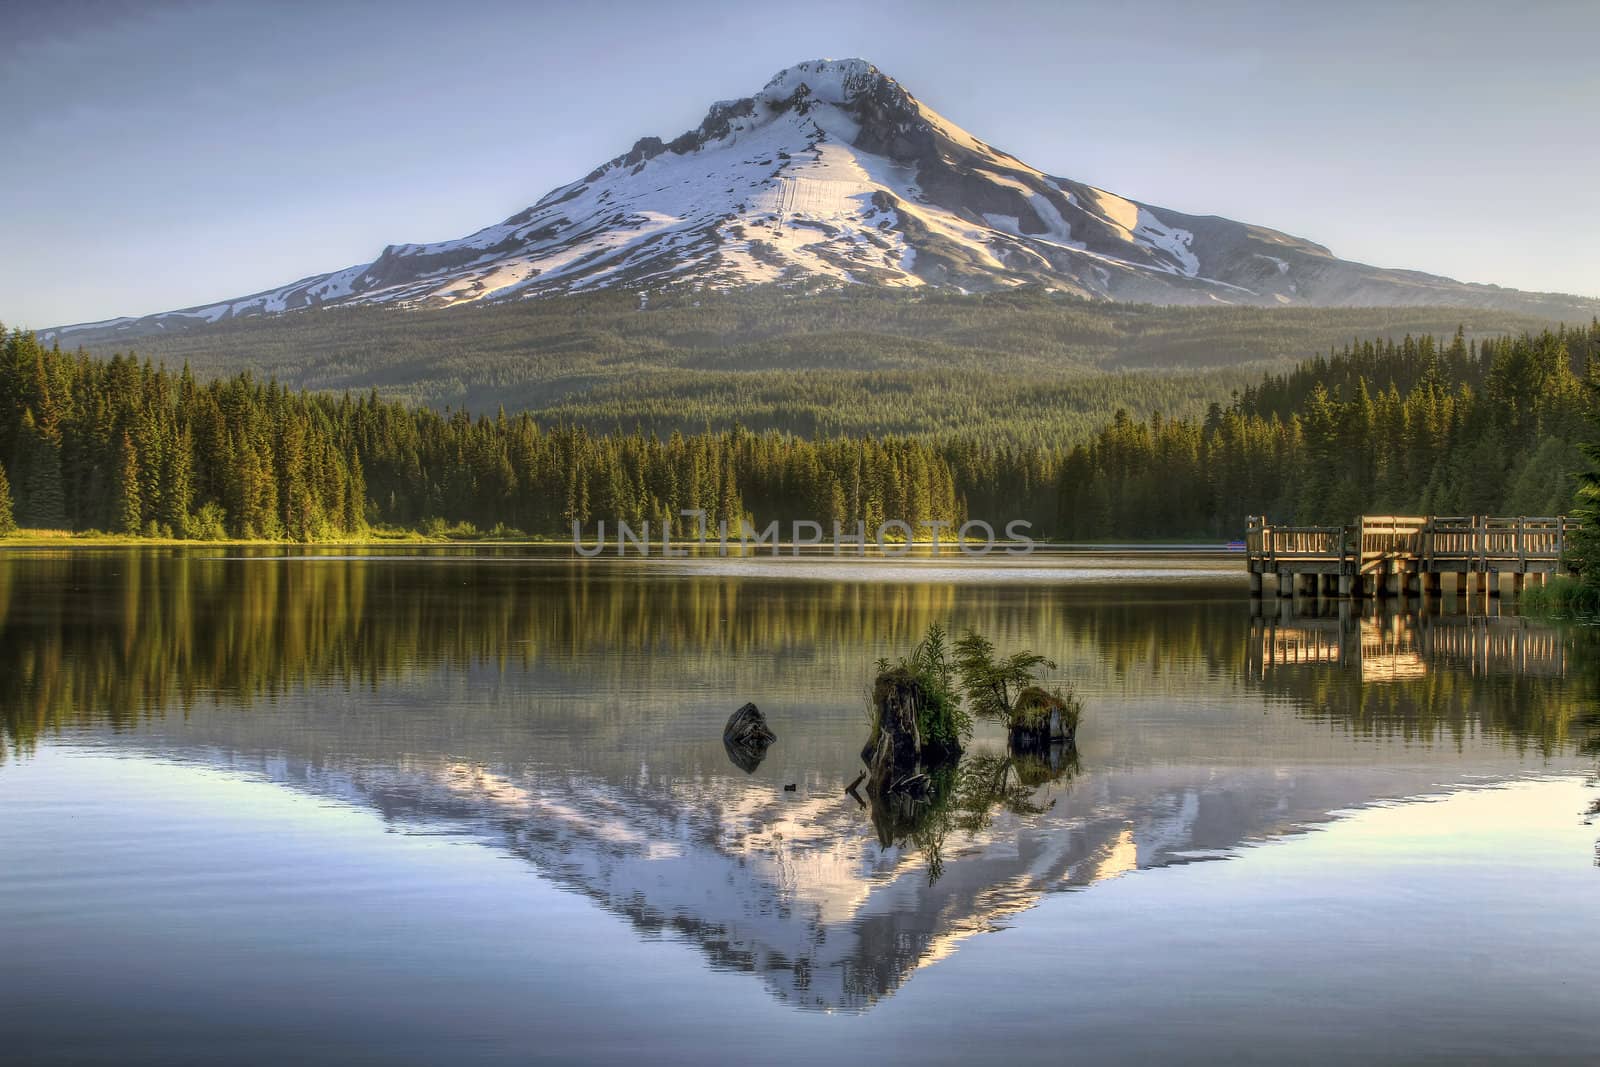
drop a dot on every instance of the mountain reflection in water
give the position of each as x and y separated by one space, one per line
570 714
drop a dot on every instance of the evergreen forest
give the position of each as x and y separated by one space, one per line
1423 424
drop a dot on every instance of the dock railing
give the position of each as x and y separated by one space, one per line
1387 537
1386 545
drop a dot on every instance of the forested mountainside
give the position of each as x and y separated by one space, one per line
1454 426
1022 366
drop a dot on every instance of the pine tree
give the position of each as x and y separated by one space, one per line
177 484
1583 553
39 490
8 522
355 516
130 510
730 507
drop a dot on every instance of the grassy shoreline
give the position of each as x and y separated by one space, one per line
95 539
1563 597
34 538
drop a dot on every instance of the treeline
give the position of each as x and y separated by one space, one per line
122 447
125 447
1419 425
1413 427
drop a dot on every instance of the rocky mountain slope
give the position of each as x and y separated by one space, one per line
834 174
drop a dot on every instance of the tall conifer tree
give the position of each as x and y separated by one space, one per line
130 510
8 522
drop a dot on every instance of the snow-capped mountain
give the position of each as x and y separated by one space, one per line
834 173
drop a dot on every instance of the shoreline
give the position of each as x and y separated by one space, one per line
34 540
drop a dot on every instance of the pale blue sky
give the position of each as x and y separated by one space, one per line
168 154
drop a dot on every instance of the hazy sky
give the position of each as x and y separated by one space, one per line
168 154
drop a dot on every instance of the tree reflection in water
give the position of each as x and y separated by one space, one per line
121 636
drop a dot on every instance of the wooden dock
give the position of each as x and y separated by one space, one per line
1392 555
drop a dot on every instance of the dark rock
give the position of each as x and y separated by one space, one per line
748 726
746 738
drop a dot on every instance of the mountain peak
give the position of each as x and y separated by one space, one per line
830 81
854 87
834 174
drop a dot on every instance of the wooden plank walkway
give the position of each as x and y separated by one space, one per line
1396 555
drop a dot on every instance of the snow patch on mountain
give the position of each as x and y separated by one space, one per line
1175 242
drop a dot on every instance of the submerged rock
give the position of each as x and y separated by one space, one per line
746 738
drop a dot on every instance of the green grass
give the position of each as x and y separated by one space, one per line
36 538
1562 597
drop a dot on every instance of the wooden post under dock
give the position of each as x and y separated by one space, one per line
1392 555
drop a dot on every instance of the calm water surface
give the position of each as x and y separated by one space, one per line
461 806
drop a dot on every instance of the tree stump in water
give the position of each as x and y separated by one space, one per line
894 751
899 790
904 774
1043 718
746 738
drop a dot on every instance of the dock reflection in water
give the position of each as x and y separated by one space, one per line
1394 645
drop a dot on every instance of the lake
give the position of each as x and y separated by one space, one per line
472 805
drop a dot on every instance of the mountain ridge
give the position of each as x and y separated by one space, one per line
835 174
